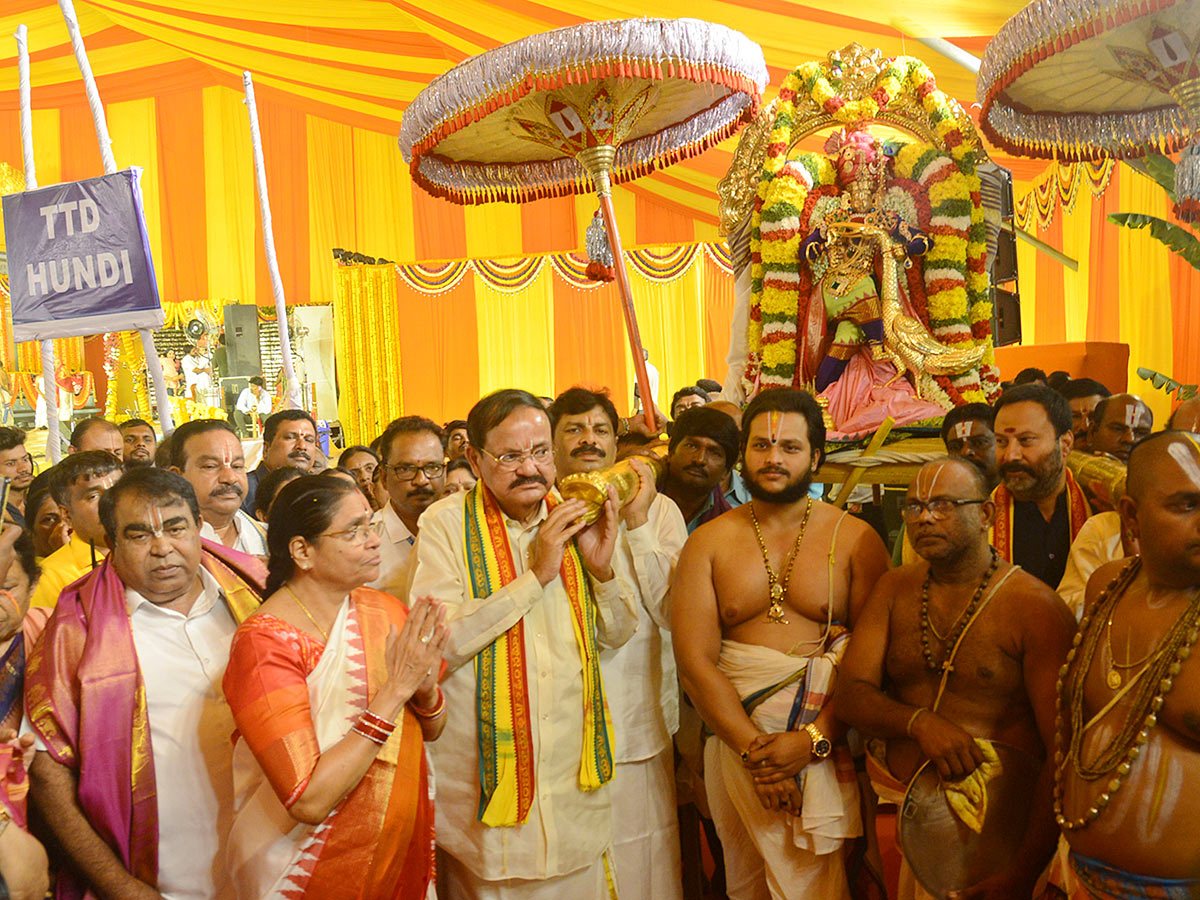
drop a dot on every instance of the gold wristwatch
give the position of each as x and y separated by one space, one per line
821 745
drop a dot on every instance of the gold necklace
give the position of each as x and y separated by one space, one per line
778 585
304 609
1113 677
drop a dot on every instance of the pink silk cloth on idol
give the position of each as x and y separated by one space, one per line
861 399
85 698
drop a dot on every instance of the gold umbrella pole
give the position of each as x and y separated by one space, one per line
598 161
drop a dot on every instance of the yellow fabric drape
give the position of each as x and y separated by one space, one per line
330 200
229 199
670 319
133 128
515 337
382 197
366 343
1077 239
1145 291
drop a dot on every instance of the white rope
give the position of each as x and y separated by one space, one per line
153 366
49 385
291 397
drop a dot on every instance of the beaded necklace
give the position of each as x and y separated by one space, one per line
1152 685
959 624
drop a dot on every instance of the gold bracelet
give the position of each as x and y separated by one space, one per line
913 718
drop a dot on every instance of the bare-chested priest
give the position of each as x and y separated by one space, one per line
1128 791
759 608
953 652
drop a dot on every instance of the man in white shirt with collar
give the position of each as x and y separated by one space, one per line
208 453
253 405
414 470
524 808
134 766
639 678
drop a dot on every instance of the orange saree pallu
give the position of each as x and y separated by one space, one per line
85 698
293 699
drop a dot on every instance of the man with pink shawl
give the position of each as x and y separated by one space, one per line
123 692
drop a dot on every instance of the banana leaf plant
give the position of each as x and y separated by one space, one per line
1177 238
1170 385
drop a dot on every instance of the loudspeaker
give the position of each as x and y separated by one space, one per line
231 389
1006 317
1004 263
241 340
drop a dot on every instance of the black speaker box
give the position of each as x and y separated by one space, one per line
1006 317
241 340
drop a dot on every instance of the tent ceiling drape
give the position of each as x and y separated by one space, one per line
355 64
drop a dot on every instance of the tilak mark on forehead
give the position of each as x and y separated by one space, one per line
962 430
1187 458
774 420
156 521
930 483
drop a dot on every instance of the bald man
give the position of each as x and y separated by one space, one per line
903 681
1118 422
1186 416
1128 791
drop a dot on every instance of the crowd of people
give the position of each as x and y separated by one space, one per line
425 672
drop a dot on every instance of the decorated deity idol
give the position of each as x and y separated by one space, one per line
867 262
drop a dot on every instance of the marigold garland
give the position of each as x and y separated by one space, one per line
953 293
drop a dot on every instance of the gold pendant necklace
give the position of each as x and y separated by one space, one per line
777 585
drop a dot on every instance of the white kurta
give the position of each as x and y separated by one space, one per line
250 538
183 659
643 695
394 550
567 830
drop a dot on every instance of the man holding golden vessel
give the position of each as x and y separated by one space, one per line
639 677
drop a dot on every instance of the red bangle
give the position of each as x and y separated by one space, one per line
373 736
438 708
378 721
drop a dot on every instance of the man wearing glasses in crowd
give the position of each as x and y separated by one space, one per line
414 468
17 466
524 808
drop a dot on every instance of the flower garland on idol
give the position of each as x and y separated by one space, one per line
943 198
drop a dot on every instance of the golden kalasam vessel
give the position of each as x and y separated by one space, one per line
1102 477
592 487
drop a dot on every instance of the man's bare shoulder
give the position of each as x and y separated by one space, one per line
1036 605
712 533
1104 576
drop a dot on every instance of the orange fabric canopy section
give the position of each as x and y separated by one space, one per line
332 81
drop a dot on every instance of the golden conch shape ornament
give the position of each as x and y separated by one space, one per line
592 487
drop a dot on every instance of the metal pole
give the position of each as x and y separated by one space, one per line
110 166
291 395
49 383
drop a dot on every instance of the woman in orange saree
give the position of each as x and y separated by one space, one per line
333 688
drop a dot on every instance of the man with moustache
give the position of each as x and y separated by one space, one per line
532 595
760 607
1119 422
1083 395
289 439
702 451
413 462
639 677
1039 506
17 466
1127 794
991 679
208 453
133 772
138 443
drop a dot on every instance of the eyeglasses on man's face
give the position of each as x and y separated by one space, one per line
408 471
514 459
938 508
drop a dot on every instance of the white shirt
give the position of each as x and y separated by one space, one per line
567 829
1098 542
247 402
250 538
190 376
640 679
395 547
183 659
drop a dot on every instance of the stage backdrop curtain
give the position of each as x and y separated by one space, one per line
1129 287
